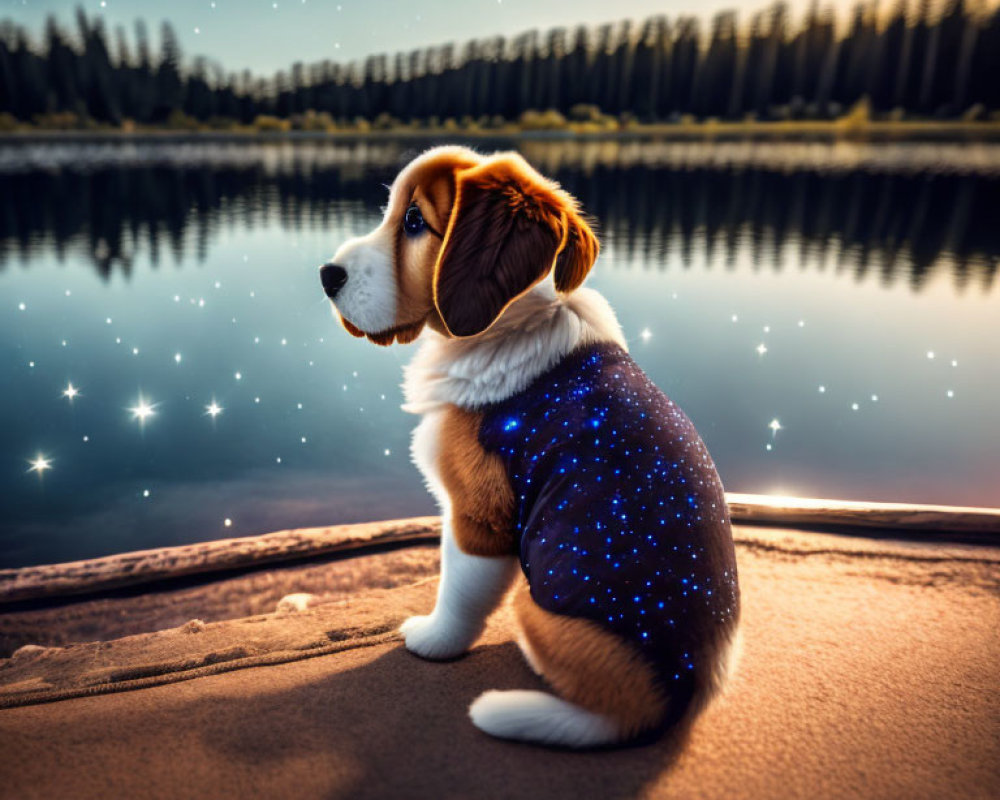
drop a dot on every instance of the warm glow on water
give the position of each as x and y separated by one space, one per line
214 395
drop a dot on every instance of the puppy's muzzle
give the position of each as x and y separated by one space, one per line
333 277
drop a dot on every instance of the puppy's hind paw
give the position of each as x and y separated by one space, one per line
428 637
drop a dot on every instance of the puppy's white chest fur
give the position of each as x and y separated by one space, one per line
424 449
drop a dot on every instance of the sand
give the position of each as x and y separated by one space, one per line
869 669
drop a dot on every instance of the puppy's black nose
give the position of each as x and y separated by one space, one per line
333 277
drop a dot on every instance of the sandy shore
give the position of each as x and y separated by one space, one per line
870 669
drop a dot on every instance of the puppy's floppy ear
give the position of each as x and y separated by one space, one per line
579 253
508 227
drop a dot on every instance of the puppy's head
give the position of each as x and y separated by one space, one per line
463 236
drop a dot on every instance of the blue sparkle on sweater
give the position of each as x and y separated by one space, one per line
577 488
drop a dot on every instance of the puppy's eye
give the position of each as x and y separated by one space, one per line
413 222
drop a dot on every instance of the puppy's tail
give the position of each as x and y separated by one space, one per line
530 716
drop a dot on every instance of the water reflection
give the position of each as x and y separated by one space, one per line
895 212
847 293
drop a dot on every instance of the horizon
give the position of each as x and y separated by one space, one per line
207 29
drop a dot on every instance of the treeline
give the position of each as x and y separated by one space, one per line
894 227
922 59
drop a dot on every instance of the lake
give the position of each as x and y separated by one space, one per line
827 313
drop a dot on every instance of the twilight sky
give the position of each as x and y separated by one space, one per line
267 35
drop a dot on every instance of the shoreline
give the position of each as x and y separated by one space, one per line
50 582
874 131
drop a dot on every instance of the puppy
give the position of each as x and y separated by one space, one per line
547 449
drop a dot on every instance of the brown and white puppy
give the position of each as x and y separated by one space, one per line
464 250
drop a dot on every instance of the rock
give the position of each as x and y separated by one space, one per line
293 603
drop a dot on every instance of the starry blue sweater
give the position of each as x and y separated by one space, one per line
620 512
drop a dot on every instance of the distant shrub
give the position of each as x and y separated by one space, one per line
178 120
59 120
265 123
974 113
8 122
585 112
385 122
220 123
859 116
542 120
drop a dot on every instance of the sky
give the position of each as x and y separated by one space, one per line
267 35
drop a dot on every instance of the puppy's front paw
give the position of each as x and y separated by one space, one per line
429 637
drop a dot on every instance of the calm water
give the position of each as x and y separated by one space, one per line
847 292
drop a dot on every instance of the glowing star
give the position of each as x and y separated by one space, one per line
646 334
70 392
227 522
213 410
40 464
761 349
142 411
775 426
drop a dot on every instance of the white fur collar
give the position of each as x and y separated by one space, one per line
531 336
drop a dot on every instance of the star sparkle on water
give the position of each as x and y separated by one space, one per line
142 410
39 464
